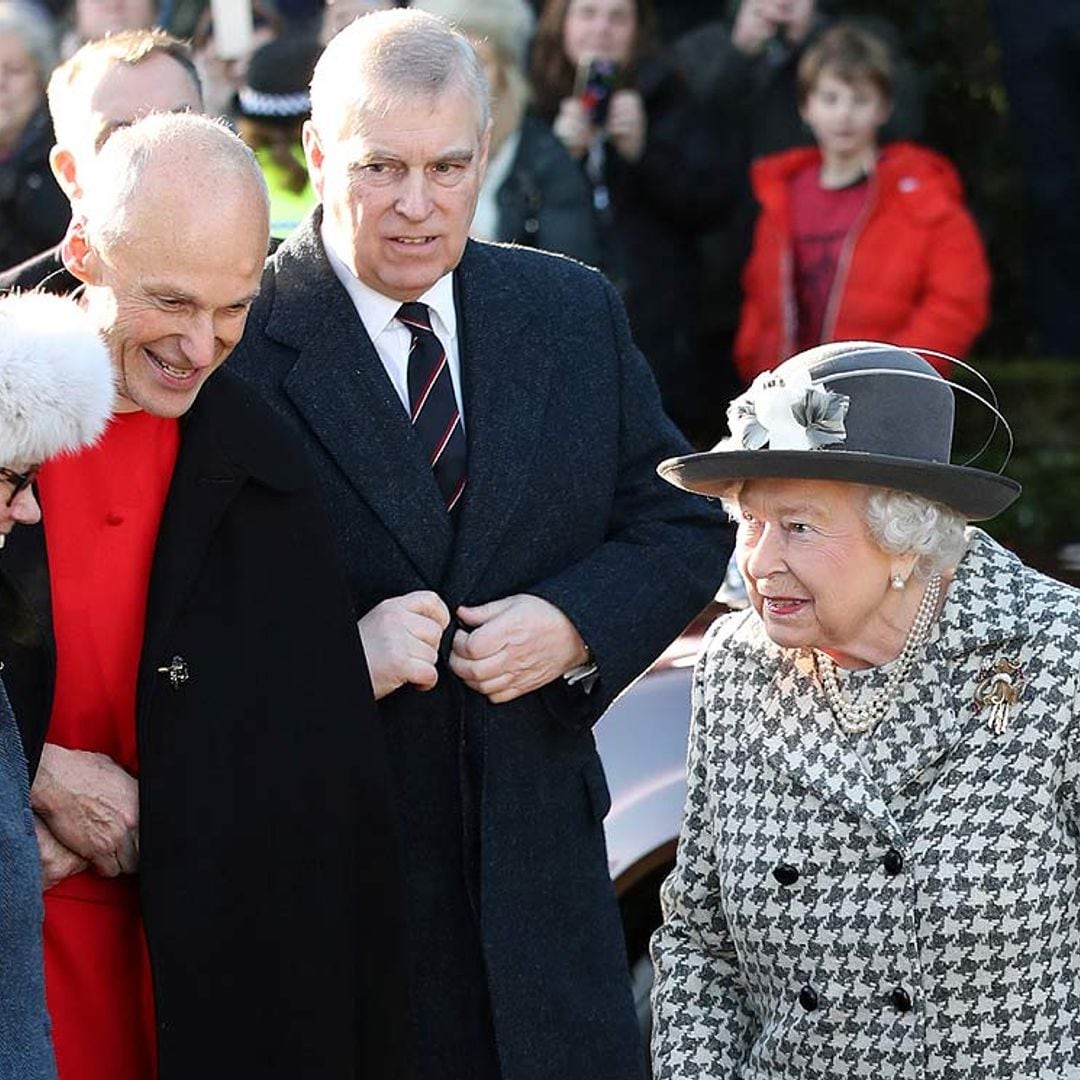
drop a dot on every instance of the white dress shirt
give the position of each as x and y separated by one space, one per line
393 339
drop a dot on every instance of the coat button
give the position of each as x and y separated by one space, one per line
893 862
786 874
808 998
900 1000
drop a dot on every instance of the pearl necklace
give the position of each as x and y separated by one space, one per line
855 719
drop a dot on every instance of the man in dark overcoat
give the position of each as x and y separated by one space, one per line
253 824
486 434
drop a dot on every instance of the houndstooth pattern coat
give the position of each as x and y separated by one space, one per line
899 904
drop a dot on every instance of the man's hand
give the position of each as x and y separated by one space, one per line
91 805
516 645
626 124
57 861
401 640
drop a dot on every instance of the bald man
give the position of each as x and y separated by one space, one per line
212 798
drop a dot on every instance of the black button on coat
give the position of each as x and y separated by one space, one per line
786 874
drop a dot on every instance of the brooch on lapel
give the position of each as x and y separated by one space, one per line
999 690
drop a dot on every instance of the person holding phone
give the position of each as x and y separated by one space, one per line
653 158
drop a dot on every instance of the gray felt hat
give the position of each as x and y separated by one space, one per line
860 411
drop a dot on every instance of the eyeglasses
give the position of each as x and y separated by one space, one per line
19 481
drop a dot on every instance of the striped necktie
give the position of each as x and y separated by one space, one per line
432 405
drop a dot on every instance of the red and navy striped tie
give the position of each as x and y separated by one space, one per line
432 405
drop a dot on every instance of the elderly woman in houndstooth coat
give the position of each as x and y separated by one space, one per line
879 869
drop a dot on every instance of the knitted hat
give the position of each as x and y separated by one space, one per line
860 411
279 79
56 379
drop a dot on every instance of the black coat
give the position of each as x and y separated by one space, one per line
502 805
545 201
34 212
268 875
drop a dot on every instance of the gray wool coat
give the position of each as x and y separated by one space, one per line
518 964
899 904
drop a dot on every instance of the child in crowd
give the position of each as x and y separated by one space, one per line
853 240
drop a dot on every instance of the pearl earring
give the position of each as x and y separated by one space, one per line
897 582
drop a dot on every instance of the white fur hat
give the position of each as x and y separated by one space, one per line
56 380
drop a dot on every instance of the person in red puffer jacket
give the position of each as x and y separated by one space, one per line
854 241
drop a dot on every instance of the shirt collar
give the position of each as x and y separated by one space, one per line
377 311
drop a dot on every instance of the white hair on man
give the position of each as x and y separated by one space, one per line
56 378
390 57
186 149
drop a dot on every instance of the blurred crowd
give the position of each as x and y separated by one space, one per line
748 175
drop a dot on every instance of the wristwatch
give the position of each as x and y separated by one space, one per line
584 675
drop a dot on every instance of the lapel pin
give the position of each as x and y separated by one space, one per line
999 690
177 672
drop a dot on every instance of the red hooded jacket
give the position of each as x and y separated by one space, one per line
912 271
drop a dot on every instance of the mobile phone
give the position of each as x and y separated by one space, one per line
596 79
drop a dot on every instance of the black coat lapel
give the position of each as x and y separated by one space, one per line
203 485
506 369
223 446
340 388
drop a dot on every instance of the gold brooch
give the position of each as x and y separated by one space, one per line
999 690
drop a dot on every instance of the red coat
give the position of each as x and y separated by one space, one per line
912 272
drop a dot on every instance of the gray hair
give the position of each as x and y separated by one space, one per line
905 524
203 152
386 58
899 523
26 22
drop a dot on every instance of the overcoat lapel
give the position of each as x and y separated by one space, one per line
213 465
350 404
205 481
795 732
505 408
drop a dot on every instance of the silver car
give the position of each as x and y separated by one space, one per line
642 743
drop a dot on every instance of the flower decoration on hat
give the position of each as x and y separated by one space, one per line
787 412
